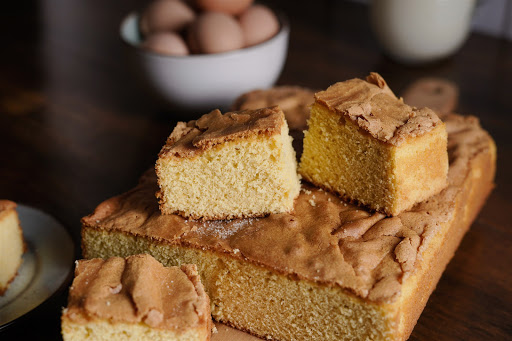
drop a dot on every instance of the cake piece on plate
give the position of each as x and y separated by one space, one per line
136 298
327 271
12 245
369 147
240 164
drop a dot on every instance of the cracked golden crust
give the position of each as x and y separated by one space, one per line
376 110
325 240
190 139
138 289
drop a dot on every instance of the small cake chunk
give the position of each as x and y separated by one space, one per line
369 147
12 245
136 298
225 166
295 102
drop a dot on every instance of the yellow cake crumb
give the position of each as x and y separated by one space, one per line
250 172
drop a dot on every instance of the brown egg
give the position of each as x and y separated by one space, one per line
215 32
166 15
258 23
233 7
168 43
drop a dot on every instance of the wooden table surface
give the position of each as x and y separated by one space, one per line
76 128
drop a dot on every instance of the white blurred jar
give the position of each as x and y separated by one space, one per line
419 31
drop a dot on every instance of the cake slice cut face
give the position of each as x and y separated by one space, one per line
136 298
369 147
225 166
11 244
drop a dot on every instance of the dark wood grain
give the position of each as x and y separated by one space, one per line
76 128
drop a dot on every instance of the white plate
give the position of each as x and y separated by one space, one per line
46 266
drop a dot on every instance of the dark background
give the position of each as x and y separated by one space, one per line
76 128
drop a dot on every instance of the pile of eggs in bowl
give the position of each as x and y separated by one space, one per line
180 28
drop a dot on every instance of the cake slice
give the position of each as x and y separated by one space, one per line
240 164
12 245
326 271
369 147
136 298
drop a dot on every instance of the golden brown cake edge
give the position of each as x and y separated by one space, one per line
477 188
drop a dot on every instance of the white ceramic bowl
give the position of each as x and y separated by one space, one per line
208 81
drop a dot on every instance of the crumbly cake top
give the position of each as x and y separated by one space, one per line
374 108
189 139
324 240
295 102
137 289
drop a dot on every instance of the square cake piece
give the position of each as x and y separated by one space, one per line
369 147
136 298
328 270
240 164
12 245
